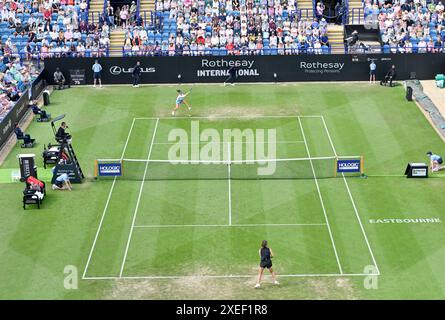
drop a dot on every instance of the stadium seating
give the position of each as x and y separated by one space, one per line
197 27
408 27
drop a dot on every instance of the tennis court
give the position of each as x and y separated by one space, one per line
204 220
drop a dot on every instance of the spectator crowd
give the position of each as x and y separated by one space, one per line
15 77
408 26
51 28
233 27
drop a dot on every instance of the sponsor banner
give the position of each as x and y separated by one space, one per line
348 165
109 169
37 86
278 68
419 172
14 115
117 70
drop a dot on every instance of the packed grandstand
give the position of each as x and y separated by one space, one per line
34 30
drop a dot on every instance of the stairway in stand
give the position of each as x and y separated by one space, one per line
117 39
96 8
303 5
145 8
336 38
357 18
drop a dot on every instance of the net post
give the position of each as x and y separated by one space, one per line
96 165
335 167
229 155
122 167
362 166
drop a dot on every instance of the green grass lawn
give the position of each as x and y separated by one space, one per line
156 237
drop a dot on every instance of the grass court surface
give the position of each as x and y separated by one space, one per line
199 238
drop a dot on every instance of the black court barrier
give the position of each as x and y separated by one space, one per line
213 69
19 109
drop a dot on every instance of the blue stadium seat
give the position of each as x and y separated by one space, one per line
386 48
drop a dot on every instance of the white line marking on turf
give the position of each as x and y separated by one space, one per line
230 183
352 200
106 204
230 276
229 117
230 225
320 196
139 199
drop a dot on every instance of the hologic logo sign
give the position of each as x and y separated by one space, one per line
116 70
321 67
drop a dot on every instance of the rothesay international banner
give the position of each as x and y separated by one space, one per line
280 68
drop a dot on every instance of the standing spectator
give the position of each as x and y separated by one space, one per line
319 10
117 16
132 14
136 74
124 16
97 68
110 14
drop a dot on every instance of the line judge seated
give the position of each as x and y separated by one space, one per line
28 142
59 79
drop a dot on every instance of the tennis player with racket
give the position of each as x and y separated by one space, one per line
180 99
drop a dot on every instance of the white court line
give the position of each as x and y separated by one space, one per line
230 117
139 200
229 225
321 198
106 204
230 183
352 201
235 276
222 142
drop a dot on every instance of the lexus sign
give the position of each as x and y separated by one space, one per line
117 70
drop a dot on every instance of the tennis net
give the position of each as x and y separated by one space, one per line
287 169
